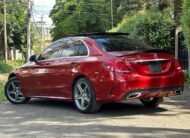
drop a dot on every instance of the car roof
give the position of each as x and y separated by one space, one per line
102 35
97 35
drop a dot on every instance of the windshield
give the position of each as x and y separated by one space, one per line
114 44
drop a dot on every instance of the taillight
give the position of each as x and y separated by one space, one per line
118 67
177 65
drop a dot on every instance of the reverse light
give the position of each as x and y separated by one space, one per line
177 65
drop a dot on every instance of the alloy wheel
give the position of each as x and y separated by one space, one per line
14 91
82 95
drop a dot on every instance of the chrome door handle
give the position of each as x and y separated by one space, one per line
74 63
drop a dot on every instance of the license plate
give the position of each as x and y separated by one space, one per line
154 67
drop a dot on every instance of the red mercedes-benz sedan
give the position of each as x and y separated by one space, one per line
94 69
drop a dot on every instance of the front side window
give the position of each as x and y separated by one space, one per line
52 51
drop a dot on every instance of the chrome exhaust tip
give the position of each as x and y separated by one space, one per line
178 92
134 95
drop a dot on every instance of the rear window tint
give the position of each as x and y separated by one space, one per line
121 44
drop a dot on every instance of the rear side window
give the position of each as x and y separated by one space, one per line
83 51
76 48
71 49
121 44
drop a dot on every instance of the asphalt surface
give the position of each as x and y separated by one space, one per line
43 118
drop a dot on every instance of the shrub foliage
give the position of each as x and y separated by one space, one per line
186 21
156 29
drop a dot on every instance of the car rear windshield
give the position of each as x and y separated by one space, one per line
113 44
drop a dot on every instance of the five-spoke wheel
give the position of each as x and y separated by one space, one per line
84 96
13 92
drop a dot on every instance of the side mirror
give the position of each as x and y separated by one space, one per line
33 58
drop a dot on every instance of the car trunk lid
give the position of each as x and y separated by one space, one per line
151 63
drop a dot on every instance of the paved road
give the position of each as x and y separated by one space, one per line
42 118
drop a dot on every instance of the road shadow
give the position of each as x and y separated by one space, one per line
182 101
129 108
48 118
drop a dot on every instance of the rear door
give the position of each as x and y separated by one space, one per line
73 57
57 70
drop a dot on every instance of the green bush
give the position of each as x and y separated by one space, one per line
187 78
6 68
156 29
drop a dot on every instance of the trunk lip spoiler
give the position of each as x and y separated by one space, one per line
145 52
150 60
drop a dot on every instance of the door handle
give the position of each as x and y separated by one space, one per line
74 63
47 64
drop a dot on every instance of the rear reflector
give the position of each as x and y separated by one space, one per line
177 64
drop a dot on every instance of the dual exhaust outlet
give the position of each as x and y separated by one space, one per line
136 95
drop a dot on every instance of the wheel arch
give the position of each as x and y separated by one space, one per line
77 78
12 75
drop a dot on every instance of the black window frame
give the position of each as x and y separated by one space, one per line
63 44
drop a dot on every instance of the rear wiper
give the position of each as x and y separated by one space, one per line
146 51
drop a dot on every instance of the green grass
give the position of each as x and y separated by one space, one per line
3 79
2 96
5 69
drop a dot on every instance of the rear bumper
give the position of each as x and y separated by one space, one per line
153 92
146 86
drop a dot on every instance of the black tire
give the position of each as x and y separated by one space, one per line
152 102
8 95
91 106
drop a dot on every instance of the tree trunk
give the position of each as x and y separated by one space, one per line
177 11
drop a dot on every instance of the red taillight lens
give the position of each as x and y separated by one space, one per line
118 67
177 65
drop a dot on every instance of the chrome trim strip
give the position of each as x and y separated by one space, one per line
122 71
151 60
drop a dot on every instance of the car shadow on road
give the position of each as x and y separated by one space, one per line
107 110
59 119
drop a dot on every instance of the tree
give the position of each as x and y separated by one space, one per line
186 25
177 11
83 16
156 29
79 16
186 21
16 24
